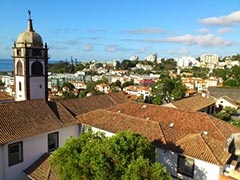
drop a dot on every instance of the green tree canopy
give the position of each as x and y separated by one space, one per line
167 90
225 113
93 156
69 85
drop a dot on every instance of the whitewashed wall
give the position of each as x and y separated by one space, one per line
33 148
1 162
35 91
202 170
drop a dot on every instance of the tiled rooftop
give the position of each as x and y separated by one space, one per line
41 169
116 121
86 104
196 134
24 119
193 103
184 122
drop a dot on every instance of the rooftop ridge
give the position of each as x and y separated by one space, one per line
210 119
211 150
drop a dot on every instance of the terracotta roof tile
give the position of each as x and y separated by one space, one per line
116 121
86 104
193 103
41 169
23 119
184 122
205 148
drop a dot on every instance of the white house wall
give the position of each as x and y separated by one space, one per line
33 148
1 162
202 170
35 91
20 95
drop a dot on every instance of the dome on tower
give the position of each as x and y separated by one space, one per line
29 37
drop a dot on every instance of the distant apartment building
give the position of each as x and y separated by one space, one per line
56 80
209 59
187 61
138 91
200 84
103 87
8 80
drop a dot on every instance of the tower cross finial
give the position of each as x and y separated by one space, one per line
29 13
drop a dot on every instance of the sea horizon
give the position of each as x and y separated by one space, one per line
6 65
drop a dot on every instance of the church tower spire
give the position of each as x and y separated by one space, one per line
30 26
30 58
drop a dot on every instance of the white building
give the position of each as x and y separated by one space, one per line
190 145
187 61
30 129
209 59
30 57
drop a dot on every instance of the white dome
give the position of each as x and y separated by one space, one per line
30 37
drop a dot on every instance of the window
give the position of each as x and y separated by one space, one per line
15 153
86 128
20 86
36 52
37 69
19 68
52 141
18 52
185 166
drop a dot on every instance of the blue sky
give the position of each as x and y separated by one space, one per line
118 29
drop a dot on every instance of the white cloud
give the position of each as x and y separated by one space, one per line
145 31
88 47
111 48
144 49
184 51
203 31
96 30
224 30
231 19
208 40
115 48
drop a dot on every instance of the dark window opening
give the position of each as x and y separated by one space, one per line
52 141
185 166
36 52
20 86
18 52
37 69
15 153
19 68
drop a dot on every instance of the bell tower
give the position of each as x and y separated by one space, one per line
30 59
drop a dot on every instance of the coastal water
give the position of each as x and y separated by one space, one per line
7 64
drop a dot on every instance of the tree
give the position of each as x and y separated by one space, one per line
69 85
2 83
167 90
226 113
127 83
94 156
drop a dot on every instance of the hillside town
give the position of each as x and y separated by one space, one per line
187 108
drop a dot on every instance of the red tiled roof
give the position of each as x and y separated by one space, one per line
23 119
41 169
86 104
115 122
185 122
205 148
184 135
193 103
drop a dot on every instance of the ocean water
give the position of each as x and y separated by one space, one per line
7 64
